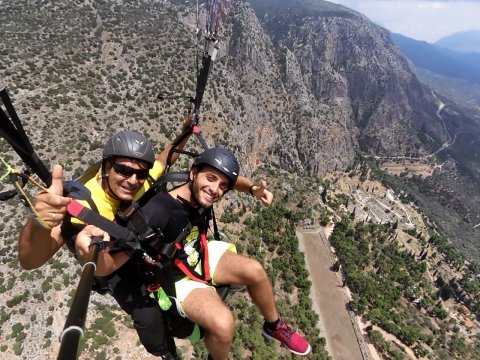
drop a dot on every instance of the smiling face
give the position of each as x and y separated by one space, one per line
125 177
208 185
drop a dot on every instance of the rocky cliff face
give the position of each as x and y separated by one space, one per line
310 135
303 86
341 81
344 87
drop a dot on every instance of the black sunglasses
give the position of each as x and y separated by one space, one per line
127 171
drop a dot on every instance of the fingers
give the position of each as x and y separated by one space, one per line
82 242
263 185
91 231
51 206
265 196
84 238
52 219
57 180
50 200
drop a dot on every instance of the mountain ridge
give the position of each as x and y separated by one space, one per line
440 60
463 41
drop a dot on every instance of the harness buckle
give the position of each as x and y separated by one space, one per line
168 250
153 287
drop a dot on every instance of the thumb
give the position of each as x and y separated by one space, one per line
57 180
263 185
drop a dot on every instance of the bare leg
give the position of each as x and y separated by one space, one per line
238 269
204 307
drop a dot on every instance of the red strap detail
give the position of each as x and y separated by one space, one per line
74 208
196 129
206 266
187 271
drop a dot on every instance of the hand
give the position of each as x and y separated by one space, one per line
262 194
187 122
84 239
51 206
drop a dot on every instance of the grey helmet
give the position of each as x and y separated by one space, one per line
129 144
221 159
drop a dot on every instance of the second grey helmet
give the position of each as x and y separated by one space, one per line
221 159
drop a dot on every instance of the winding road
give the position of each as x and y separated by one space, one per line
445 145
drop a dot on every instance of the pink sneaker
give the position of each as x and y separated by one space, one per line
292 340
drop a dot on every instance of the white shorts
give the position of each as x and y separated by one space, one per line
216 249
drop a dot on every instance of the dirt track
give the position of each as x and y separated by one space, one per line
329 299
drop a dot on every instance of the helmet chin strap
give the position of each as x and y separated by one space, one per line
105 183
192 194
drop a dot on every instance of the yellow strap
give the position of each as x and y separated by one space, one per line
18 185
30 203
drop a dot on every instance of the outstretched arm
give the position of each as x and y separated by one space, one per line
163 156
259 191
243 184
37 243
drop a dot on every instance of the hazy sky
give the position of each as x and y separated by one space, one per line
427 20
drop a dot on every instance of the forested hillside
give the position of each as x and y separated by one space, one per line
415 291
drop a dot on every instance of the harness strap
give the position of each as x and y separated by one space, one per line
186 270
91 217
181 262
206 267
6 195
79 191
201 139
216 233
161 183
175 144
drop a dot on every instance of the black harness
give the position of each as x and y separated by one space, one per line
155 251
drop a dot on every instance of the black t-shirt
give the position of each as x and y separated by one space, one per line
171 216
168 214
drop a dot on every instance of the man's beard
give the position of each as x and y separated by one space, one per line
196 193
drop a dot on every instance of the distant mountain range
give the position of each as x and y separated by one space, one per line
465 41
439 59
